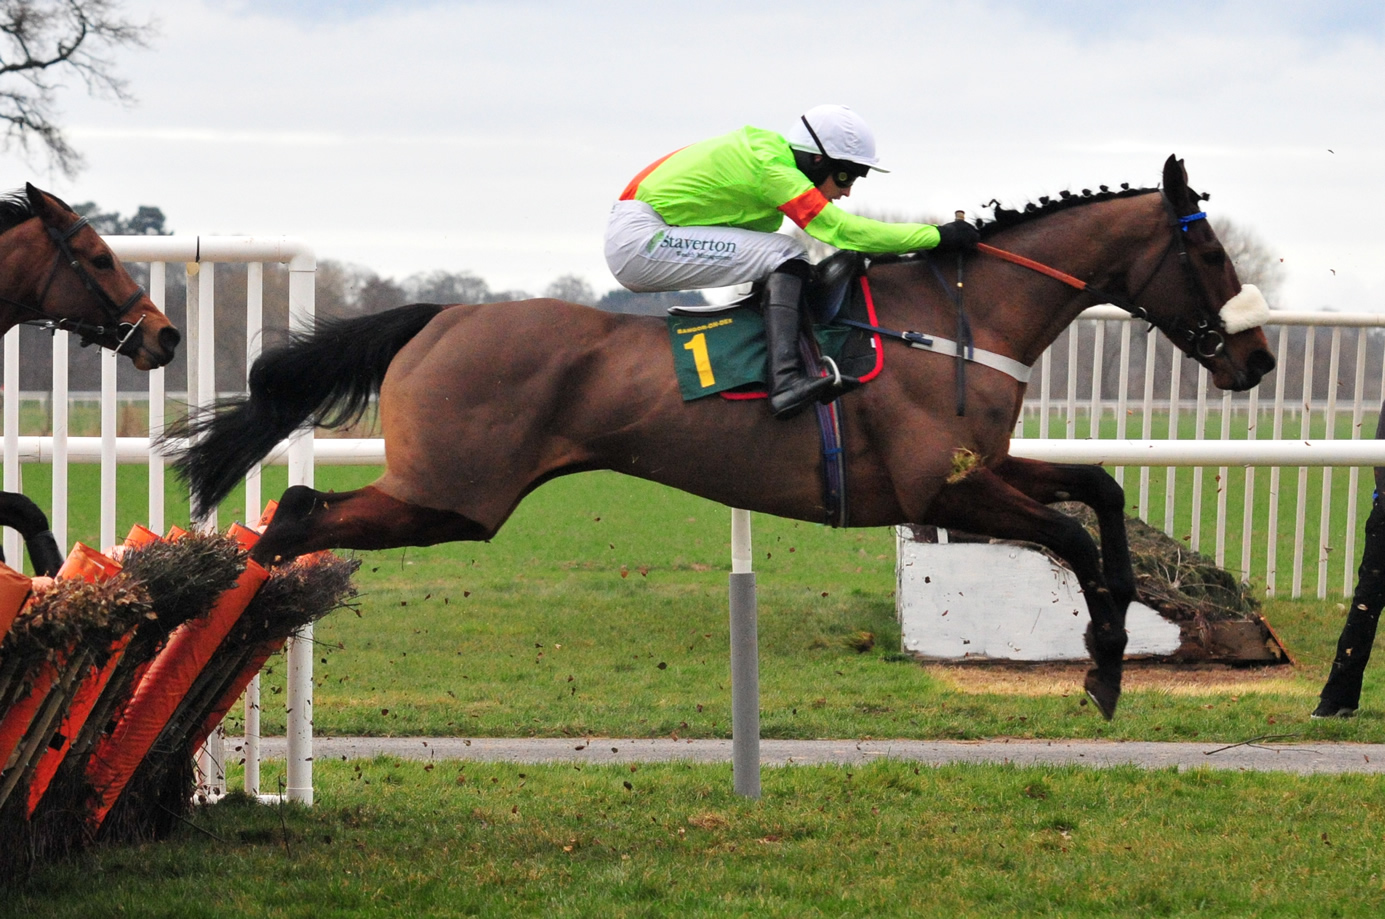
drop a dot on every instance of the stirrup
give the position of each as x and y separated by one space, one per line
841 383
791 400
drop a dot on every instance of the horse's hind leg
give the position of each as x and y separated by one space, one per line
986 504
1089 485
367 518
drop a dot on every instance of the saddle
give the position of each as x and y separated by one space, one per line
721 349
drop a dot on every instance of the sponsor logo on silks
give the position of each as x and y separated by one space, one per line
654 243
723 248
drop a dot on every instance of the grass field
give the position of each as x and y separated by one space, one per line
409 839
601 610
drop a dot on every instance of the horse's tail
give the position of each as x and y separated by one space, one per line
325 377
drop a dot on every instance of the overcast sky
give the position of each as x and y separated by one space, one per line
493 135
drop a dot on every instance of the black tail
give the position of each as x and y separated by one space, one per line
325 378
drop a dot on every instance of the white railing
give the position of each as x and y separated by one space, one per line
192 254
1232 433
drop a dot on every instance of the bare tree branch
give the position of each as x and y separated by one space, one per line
43 41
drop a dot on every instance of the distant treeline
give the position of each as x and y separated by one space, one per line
341 290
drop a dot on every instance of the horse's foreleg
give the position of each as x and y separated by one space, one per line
367 518
986 504
1089 485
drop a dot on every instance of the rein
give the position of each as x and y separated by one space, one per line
1206 340
87 331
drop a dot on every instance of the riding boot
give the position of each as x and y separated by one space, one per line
791 387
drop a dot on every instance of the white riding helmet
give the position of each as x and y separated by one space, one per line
836 132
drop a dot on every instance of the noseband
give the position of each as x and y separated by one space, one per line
114 312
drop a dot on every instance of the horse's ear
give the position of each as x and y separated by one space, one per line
1176 185
40 201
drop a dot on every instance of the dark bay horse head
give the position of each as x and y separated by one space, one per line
56 271
1194 296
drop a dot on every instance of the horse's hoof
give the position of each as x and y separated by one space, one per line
1103 692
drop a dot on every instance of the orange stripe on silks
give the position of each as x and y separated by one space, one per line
634 185
805 207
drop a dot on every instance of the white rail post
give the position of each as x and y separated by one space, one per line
13 547
302 310
158 276
254 328
1329 433
745 663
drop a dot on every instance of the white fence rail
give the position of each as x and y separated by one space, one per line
1194 453
1325 394
194 255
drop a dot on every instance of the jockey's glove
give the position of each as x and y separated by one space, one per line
957 235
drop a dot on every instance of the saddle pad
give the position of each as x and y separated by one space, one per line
716 352
725 351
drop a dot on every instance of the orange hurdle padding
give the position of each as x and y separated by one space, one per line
236 688
85 699
169 678
15 588
267 516
87 564
16 721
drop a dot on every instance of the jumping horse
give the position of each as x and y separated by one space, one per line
479 405
57 273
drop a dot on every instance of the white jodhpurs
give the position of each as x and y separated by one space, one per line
646 254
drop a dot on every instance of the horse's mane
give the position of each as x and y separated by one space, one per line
1002 218
14 210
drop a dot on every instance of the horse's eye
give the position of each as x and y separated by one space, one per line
103 263
1214 258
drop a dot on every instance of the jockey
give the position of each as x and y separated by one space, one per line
705 216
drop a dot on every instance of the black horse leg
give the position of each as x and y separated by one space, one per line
22 514
986 504
1342 693
367 518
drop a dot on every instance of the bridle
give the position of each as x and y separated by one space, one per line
89 332
1206 339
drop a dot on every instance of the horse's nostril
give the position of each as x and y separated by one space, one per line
169 339
1260 363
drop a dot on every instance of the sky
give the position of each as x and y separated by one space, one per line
492 136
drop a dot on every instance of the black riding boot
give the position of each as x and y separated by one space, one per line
790 386
1341 696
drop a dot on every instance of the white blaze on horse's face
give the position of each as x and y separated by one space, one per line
1246 310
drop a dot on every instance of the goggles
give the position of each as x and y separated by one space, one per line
845 174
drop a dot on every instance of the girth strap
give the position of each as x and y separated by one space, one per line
946 346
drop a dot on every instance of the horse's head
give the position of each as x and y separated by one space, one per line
1196 298
66 275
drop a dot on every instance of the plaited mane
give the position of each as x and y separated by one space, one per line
14 210
1003 218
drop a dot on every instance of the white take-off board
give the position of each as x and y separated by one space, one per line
1000 601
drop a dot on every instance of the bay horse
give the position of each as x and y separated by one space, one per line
479 405
56 272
